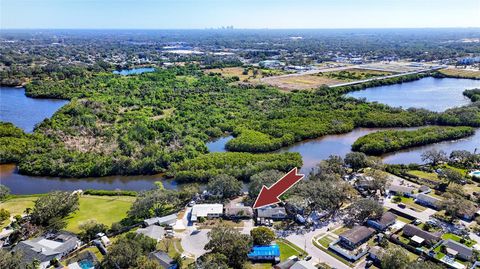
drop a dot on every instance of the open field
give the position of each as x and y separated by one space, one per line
17 206
354 74
104 209
423 174
250 76
461 73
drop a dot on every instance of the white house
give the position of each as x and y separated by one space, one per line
206 211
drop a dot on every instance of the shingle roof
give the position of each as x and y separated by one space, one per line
303 265
399 188
162 258
357 234
428 198
411 230
161 220
387 218
234 210
460 248
45 248
268 212
153 231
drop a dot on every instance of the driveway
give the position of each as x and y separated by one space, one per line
318 256
194 241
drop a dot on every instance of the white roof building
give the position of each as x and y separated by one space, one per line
206 211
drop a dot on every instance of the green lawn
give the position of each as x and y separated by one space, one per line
104 209
288 249
425 175
340 230
410 202
16 206
454 237
325 241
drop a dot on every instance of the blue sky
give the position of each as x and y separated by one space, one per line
181 14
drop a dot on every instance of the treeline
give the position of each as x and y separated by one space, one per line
237 164
473 94
392 140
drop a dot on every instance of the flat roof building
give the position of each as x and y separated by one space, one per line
206 211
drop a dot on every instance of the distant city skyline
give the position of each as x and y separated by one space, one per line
245 14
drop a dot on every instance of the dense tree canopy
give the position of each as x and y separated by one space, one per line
392 140
50 210
231 243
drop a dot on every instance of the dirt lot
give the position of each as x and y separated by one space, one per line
301 82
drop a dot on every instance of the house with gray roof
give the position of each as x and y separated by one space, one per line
401 190
163 259
411 231
385 221
356 236
270 212
456 249
46 248
428 200
165 220
236 210
153 231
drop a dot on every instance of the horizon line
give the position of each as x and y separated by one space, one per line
264 28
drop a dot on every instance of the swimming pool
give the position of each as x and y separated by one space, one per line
86 264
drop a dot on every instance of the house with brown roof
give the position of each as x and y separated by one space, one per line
385 221
355 236
236 210
420 236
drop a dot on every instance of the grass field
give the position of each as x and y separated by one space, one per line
288 249
411 203
104 209
425 175
461 73
17 206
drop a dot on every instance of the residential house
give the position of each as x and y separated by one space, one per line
375 253
46 248
153 231
286 264
265 253
385 221
206 211
163 259
303 265
234 210
269 212
162 221
419 236
458 250
427 200
401 190
355 236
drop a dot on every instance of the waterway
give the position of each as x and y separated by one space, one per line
26 112
435 94
134 71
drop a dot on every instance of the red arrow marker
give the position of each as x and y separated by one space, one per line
269 196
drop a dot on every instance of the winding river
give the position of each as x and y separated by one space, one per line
312 151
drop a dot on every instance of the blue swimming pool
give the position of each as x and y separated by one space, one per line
86 264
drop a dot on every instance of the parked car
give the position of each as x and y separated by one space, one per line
402 205
308 258
191 203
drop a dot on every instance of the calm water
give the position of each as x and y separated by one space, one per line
134 71
435 94
22 184
315 150
23 111
218 145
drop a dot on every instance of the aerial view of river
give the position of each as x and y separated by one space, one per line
25 112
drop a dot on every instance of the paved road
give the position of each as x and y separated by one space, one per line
318 256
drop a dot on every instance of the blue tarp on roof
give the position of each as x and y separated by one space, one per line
262 251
